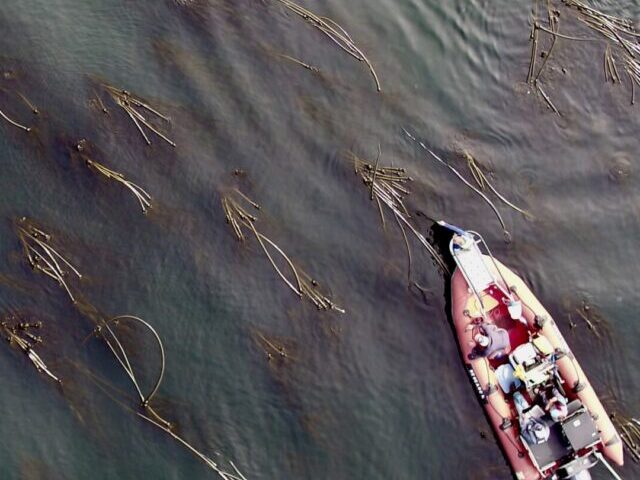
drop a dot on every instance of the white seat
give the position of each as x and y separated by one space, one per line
473 264
524 355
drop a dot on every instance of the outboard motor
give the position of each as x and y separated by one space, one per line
583 475
577 469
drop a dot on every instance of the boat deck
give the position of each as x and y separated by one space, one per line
499 315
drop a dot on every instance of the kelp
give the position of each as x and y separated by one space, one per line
593 319
12 95
136 108
610 69
236 206
478 191
20 333
106 329
42 256
618 34
144 199
13 122
275 349
483 183
299 62
336 33
388 187
26 101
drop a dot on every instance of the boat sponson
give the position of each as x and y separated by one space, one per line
497 407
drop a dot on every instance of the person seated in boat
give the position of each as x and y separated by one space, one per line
558 410
554 403
461 242
490 341
535 431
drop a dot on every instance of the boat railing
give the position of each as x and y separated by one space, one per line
477 247
506 290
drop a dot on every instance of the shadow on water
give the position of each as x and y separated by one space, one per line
33 468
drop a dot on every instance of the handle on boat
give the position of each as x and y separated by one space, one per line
453 228
613 473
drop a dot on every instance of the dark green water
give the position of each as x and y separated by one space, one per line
376 393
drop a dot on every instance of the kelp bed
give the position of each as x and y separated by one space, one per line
8 97
334 32
83 151
483 184
42 256
236 206
20 332
388 187
618 36
139 111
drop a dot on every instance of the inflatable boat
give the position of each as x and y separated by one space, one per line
543 410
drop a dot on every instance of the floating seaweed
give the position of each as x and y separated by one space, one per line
107 331
42 256
507 235
134 107
618 34
40 252
144 199
583 314
335 33
120 399
388 187
629 429
610 69
96 102
483 182
13 122
299 62
589 315
38 249
235 206
274 349
280 354
20 333
28 103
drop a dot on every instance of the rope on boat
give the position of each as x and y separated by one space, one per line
613 473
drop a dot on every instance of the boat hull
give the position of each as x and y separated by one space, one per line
501 413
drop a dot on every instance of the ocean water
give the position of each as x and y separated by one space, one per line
378 392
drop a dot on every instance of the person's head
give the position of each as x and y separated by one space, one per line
558 411
481 340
